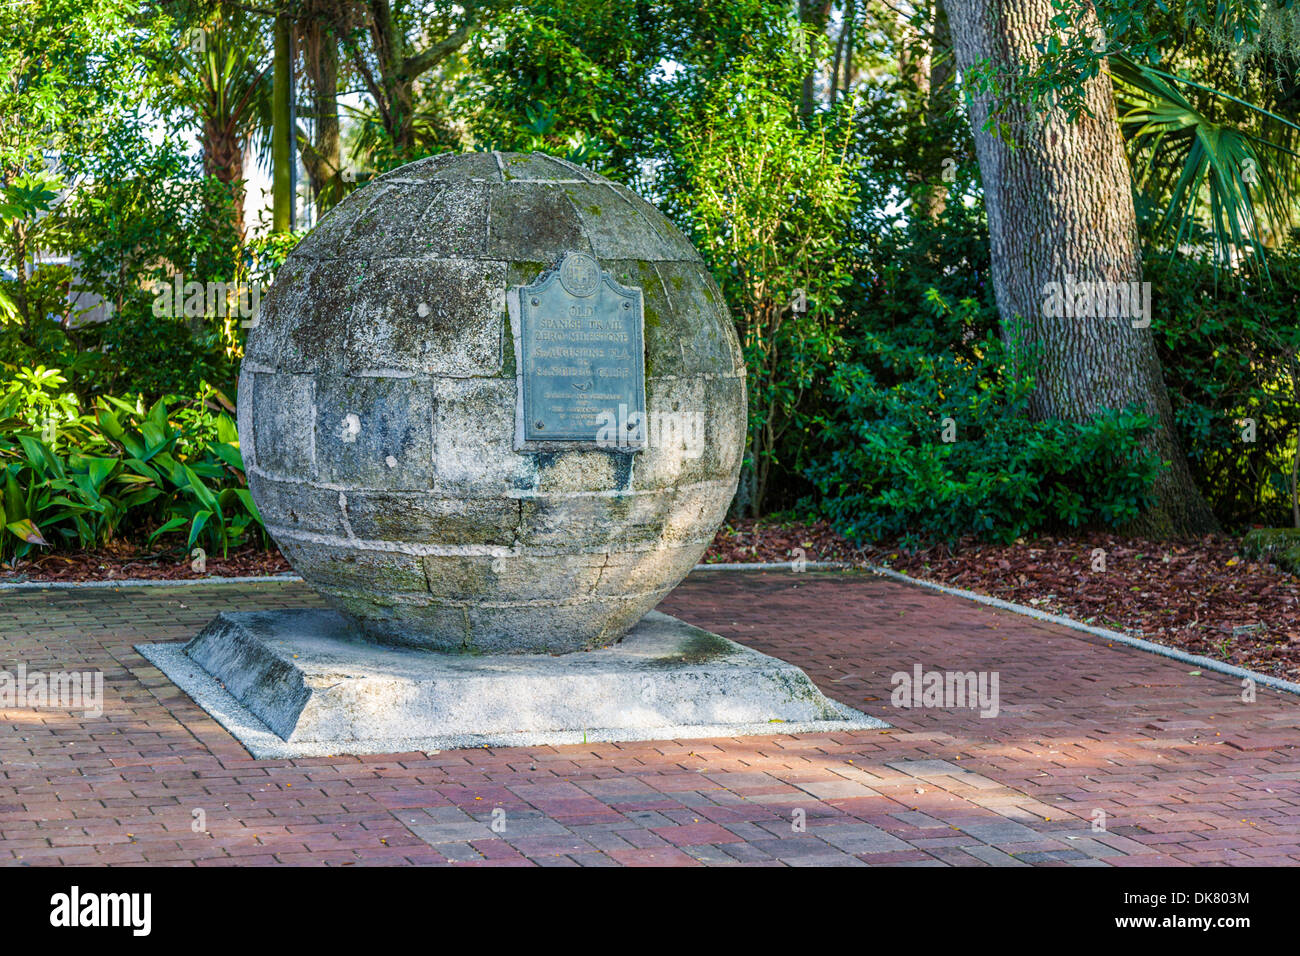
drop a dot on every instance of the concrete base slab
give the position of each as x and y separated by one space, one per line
297 683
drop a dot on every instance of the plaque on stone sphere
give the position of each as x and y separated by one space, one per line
580 358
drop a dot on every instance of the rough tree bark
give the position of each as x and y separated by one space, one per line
223 159
1061 205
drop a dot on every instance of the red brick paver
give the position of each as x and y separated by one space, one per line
1099 755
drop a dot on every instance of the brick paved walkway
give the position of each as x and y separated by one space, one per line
1183 771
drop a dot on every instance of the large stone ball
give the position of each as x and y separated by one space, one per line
377 412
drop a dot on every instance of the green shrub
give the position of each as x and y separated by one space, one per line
1229 352
150 355
1281 546
926 444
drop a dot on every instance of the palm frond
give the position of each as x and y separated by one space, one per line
1213 175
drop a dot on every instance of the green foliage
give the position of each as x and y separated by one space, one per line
700 107
218 68
79 480
1230 356
925 442
676 102
141 213
609 83
1084 35
158 356
771 224
1281 546
147 212
874 449
924 361
25 202
573 81
1233 181
68 67
265 254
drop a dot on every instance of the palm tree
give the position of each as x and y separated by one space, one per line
1238 184
223 77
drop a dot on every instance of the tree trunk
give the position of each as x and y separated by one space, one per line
833 92
396 79
814 14
322 156
390 78
223 159
942 67
913 54
20 276
933 199
849 74
282 135
1060 209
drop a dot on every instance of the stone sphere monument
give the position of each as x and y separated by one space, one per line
493 403
493 411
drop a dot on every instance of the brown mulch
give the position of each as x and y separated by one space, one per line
123 561
1199 596
742 542
746 541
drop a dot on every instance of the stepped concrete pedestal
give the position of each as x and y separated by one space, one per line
293 683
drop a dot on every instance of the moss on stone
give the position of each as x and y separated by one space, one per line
699 648
798 686
524 272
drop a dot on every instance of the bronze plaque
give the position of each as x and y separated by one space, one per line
582 357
